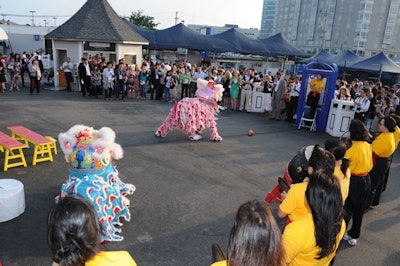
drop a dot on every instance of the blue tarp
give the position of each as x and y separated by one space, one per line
241 43
376 64
179 36
279 45
345 59
321 57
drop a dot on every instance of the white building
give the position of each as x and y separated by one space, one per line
24 37
252 33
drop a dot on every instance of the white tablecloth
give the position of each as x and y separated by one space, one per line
12 199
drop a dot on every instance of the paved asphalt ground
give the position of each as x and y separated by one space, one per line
187 192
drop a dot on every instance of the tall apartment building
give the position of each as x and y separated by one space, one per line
365 27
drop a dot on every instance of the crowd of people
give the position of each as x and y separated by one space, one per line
345 179
17 65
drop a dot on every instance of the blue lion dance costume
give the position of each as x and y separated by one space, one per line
93 175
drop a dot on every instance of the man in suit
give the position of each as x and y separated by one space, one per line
278 93
84 76
155 78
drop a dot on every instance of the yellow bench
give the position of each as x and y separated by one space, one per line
53 145
13 151
42 145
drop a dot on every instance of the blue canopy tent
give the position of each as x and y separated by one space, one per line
278 45
180 36
321 57
241 43
378 64
345 59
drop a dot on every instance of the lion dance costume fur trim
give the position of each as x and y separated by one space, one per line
193 115
89 155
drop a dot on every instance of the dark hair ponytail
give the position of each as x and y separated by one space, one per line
325 201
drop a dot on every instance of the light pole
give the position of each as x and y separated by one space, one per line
33 18
55 19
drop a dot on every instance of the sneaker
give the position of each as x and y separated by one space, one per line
350 240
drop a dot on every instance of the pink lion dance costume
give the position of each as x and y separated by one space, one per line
92 174
193 115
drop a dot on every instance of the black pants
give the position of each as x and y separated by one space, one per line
35 84
377 180
185 90
292 107
68 79
387 173
155 90
312 101
355 204
85 87
160 92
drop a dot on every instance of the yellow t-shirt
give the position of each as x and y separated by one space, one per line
301 246
343 180
220 263
396 135
111 258
317 85
383 145
360 157
294 205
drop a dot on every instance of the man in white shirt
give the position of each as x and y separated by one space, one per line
247 90
294 99
67 67
362 105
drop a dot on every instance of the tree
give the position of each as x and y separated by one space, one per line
141 20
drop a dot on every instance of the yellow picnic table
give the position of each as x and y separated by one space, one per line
42 145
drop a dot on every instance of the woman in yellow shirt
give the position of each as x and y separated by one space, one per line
342 172
294 205
382 147
255 238
396 135
317 85
360 163
74 236
314 238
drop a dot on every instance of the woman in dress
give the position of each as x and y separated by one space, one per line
130 82
16 71
234 89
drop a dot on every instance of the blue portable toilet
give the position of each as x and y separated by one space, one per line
330 74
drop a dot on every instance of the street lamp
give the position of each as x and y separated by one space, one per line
33 18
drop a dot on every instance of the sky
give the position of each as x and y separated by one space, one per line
246 14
